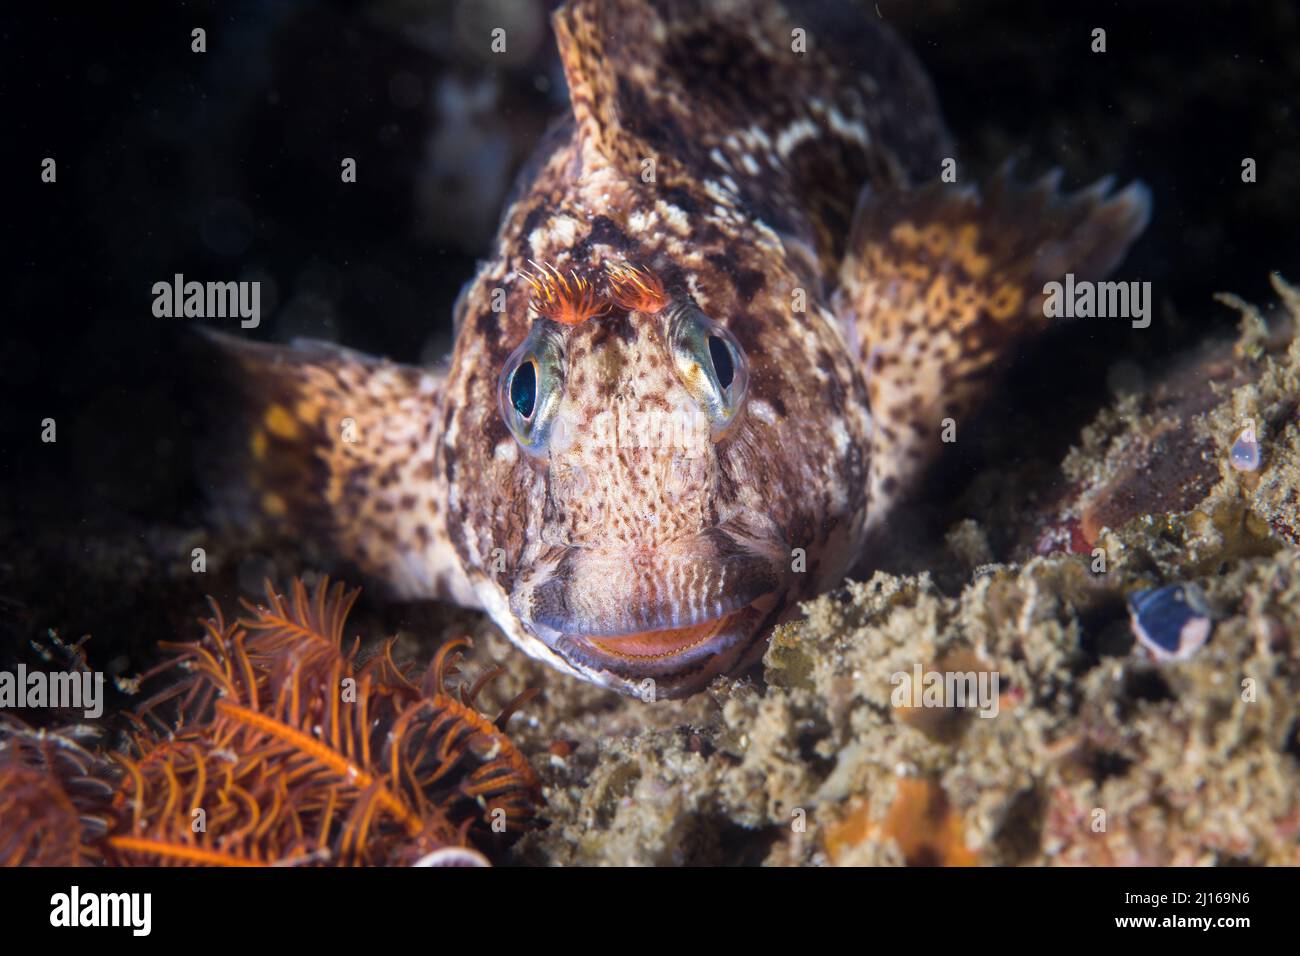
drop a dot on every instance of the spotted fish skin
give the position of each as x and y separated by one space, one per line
764 163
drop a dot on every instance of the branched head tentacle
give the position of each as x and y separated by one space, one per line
634 287
568 299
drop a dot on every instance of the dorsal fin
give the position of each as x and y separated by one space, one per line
795 121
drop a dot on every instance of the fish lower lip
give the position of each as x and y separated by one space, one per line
660 644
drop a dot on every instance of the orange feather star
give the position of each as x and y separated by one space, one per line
275 747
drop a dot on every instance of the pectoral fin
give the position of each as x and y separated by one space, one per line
942 286
336 449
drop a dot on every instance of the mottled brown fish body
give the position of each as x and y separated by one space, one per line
719 332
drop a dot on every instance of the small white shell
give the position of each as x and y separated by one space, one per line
1245 450
453 856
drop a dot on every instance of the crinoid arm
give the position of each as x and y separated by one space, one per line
54 793
290 752
273 746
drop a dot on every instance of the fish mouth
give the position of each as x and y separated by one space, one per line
661 644
672 662
675 616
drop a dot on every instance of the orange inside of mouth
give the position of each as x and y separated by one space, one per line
660 644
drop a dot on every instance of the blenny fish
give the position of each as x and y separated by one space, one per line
732 304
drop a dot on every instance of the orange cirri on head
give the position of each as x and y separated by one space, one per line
635 288
567 299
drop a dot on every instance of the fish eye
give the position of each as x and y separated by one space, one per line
530 386
523 387
723 366
710 363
